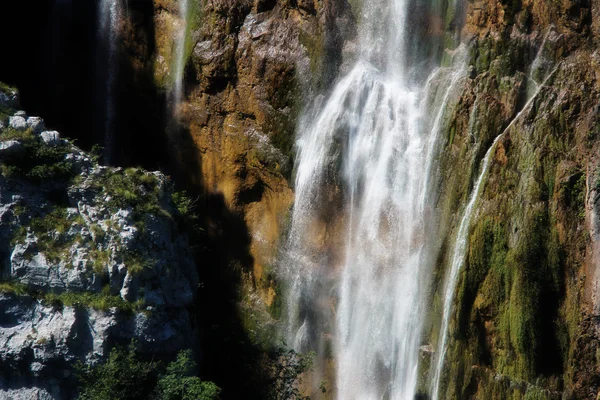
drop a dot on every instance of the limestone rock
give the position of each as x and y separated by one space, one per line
36 124
50 137
10 148
90 247
17 122
9 98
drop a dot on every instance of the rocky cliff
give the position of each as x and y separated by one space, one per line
91 256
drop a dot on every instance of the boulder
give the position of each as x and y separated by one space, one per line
17 122
9 99
36 124
50 137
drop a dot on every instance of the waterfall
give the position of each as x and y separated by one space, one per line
110 15
460 246
180 52
358 258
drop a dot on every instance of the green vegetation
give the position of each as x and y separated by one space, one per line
123 376
99 259
5 112
135 263
179 382
39 162
98 301
6 88
17 289
15 134
126 376
185 205
102 301
96 153
132 188
286 374
52 232
572 192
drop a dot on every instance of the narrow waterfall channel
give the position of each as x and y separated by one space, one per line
358 261
180 50
110 14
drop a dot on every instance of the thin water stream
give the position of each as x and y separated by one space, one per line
110 15
179 57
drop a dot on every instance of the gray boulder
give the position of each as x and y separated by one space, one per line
17 122
36 124
50 137
9 98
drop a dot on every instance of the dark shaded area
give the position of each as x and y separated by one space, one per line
141 115
57 58
221 242
50 56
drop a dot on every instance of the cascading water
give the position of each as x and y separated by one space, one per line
110 14
365 168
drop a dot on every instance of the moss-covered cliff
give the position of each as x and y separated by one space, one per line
524 315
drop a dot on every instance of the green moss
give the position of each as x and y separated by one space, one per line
315 45
97 301
276 307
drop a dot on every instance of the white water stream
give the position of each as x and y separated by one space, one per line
179 56
366 164
110 15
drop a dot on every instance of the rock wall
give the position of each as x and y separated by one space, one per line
525 315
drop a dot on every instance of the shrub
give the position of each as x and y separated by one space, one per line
179 382
40 162
184 204
125 376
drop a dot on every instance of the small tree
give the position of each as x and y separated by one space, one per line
179 382
122 376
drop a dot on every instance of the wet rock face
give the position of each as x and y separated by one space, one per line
526 304
90 256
